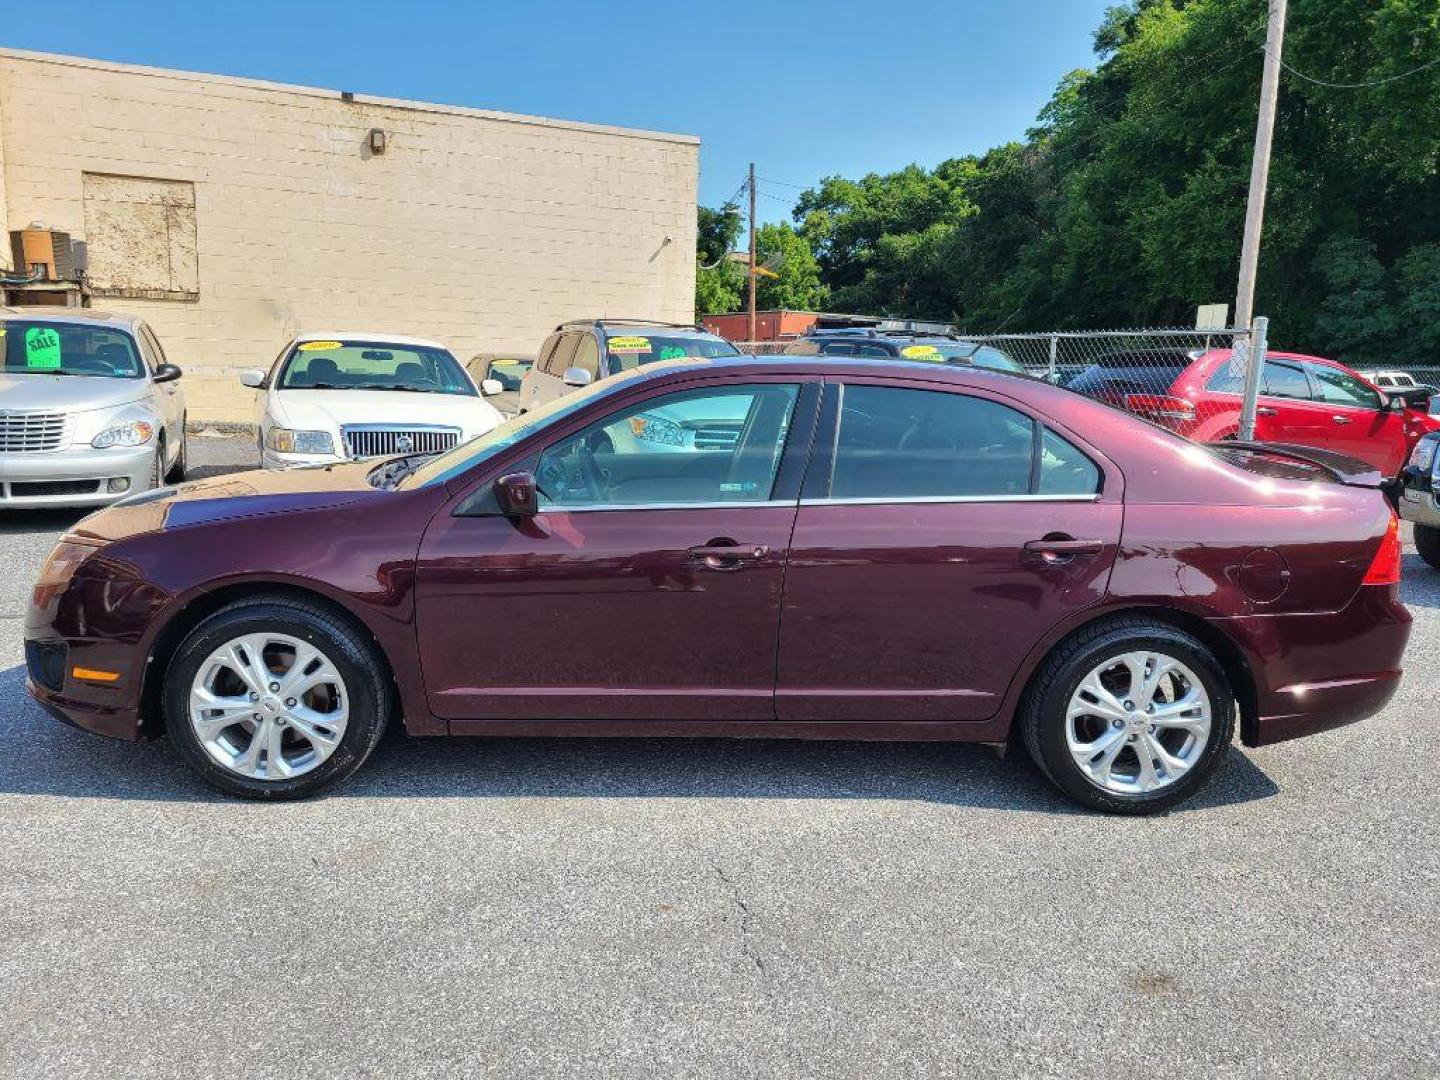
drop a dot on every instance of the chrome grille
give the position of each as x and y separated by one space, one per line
381 440
24 432
717 436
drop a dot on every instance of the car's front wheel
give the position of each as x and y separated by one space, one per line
1130 716
275 698
1427 543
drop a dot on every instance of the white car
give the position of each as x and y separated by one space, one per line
350 396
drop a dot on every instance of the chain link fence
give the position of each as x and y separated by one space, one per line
1191 381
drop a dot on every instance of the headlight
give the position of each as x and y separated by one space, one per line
653 429
59 567
288 441
134 433
1423 454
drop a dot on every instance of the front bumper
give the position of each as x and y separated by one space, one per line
273 459
79 476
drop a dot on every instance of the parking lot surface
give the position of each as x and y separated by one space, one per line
679 908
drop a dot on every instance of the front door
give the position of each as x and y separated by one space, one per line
1360 424
943 535
648 586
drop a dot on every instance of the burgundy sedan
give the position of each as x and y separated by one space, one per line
778 548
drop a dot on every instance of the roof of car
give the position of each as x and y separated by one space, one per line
78 316
368 336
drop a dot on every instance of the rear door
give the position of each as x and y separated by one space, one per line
940 535
1359 423
1288 410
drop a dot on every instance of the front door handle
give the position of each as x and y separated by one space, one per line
726 554
1061 549
1341 419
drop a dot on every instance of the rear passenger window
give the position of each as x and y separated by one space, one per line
897 443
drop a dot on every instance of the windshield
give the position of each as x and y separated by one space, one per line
448 465
372 365
629 351
508 372
985 356
58 348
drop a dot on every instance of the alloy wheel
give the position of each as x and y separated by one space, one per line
268 706
1138 722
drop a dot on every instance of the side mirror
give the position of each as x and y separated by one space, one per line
1396 403
517 496
491 387
253 378
577 377
167 373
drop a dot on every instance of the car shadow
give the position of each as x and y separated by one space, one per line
39 756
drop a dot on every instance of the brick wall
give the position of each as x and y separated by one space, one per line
477 228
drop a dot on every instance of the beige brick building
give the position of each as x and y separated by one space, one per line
231 213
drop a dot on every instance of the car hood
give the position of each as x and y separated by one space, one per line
224 498
67 393
327 410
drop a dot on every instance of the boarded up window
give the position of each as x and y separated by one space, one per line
140 237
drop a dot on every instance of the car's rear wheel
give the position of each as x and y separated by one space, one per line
1130 716
1427 543
275 698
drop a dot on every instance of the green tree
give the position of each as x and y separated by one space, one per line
718 282
796 286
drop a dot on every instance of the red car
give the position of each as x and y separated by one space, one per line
1304 400
786 547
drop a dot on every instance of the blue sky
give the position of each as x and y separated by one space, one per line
803 89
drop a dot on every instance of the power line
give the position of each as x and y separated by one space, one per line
785 183
1359 85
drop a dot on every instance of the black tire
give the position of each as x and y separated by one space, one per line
177 471
157 467
354 656
1042 716
1427 543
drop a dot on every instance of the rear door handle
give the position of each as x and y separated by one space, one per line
1262 411
1062 550
1341 419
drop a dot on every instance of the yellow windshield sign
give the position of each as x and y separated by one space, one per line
921 352
628 344
320 346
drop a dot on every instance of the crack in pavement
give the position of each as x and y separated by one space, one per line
747 945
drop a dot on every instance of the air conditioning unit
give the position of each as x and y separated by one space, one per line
49 248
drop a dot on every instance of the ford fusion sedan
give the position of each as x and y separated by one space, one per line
339 397
881 551
90 409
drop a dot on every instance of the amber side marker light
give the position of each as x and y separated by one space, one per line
94 675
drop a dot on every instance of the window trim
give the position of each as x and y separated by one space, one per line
821 471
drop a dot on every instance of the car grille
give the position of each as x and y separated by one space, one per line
21 489
25 432
717 436
363 441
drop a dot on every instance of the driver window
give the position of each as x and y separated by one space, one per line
1339 388
587 356
717 445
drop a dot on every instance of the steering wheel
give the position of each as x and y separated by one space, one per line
562 476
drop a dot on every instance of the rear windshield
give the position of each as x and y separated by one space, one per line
372 365
1130 374
629 351
58 348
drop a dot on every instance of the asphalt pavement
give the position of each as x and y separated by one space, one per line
701 908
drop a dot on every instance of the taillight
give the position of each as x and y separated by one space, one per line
1172 408
1385 567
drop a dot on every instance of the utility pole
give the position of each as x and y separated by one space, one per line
1254 341
752 251
1260 165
